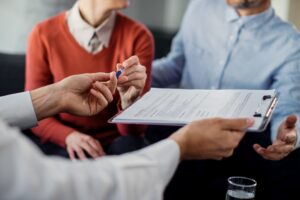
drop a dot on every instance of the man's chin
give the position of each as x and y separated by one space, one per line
247 4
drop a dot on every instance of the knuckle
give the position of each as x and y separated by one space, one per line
110 99
234 143
82 139
217 121
136 58
229 153
105 103
101 86
92 152
89 139
144 68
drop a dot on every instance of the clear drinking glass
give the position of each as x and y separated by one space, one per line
241 188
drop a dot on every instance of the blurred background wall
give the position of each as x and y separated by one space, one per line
288 10
165 15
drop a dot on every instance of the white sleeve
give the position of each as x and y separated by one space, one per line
28 175
17 110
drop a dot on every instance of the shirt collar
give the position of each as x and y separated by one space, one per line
85 32
252 21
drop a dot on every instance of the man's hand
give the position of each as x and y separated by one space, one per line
211 138
87 94
284 143
131 83
83 95
78 143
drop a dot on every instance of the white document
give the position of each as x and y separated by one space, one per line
182 106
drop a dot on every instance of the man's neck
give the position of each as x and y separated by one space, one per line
254 11
93 14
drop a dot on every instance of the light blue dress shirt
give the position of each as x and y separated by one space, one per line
215 48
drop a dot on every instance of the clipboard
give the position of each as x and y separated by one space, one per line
266 117
178 107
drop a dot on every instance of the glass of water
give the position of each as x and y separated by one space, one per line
241 188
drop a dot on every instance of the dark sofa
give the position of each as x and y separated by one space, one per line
12 73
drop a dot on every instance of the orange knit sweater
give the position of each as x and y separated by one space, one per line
54 54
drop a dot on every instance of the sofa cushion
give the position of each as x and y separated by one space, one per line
12 73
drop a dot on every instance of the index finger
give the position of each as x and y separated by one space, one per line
100 76
131 61
237 124
112 83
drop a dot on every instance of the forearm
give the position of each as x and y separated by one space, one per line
46 101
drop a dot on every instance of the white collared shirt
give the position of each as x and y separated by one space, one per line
83 32
17 110
25 173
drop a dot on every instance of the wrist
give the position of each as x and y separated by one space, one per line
179 138
46 101
69 136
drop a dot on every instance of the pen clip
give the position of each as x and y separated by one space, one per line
119 72
269 110
265 97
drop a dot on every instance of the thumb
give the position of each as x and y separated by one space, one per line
290 121
237 124
118 66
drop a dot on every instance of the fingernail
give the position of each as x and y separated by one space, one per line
250 122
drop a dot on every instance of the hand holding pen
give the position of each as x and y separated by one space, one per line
131 80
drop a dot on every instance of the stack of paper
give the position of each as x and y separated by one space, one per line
182 106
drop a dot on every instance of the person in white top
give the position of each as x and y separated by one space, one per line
26 173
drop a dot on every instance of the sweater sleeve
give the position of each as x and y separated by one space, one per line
38 74
144 49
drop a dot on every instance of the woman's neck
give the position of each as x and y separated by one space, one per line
92 13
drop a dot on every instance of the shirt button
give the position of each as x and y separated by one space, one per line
213 87
221 62
231 37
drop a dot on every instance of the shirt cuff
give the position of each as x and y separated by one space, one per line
161 158
17 110
298 135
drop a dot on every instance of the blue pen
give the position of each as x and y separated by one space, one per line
120 72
